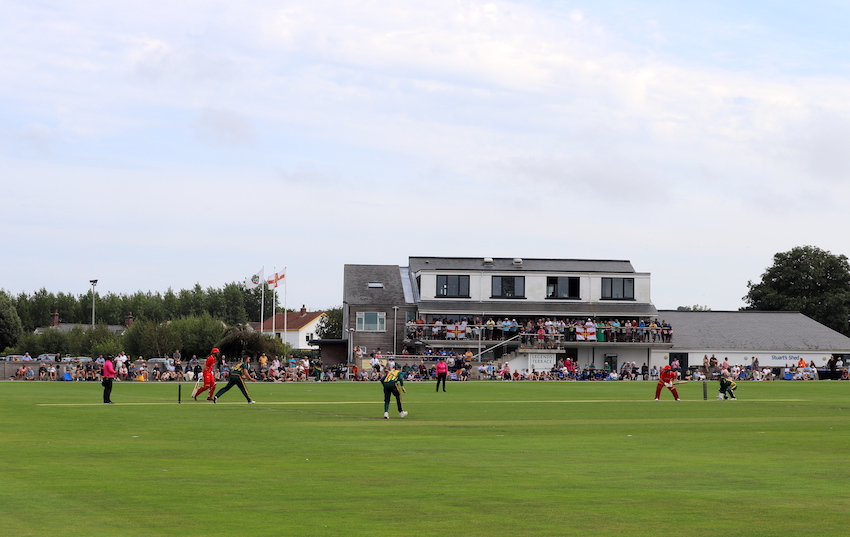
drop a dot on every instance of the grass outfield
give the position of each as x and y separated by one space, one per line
486 458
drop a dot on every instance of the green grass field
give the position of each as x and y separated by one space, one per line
486 458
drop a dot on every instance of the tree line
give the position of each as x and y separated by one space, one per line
232 304
191 320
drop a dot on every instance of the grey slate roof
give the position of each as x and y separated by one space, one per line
507 264
356 285
752 330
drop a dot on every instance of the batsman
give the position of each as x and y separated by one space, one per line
665 380
209 376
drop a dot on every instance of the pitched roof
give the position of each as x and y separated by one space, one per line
373 285
756 330
295 320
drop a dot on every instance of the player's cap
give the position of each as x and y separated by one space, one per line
667 367
215 350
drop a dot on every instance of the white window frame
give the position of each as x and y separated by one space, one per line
380 324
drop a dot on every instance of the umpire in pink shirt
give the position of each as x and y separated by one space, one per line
108 378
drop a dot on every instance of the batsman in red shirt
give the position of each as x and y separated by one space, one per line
665 379
209 376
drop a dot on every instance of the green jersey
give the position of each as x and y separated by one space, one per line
391 378
237 369
727 384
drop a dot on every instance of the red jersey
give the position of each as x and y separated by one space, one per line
667 375
210 363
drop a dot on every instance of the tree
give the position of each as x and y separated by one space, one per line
809 280
240 339
151 339
234 304
10 323
330 327
695 307
199 334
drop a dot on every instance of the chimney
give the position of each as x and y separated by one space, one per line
303 309
128 320
54 318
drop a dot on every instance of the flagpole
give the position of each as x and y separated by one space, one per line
285 314
262 297
274 301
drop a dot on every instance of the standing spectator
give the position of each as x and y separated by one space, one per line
108 377
442 370
391 382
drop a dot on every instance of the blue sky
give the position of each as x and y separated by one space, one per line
157 145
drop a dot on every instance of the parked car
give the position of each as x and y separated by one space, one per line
46 357
68 359
14 358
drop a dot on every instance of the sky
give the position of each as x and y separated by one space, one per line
156 145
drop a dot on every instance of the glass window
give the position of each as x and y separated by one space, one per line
371 321
508 286
618 288
562 287
453 286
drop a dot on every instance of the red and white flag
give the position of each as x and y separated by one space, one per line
275 278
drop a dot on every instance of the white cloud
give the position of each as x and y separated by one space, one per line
415 112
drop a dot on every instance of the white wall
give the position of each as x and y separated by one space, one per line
535 285
768 358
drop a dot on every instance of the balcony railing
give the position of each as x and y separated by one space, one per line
550 336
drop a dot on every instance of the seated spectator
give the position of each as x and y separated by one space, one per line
42 371
30 374
79 370
89 371
51 372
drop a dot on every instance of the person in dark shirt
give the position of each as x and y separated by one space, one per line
392 381
727 388
237 376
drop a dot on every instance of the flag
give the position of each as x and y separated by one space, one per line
254 281
590 331
276 277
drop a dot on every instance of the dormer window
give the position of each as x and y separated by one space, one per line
450 286
376 285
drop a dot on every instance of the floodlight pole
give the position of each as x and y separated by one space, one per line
350 359
93 285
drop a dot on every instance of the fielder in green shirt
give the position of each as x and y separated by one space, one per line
238 373
392 381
